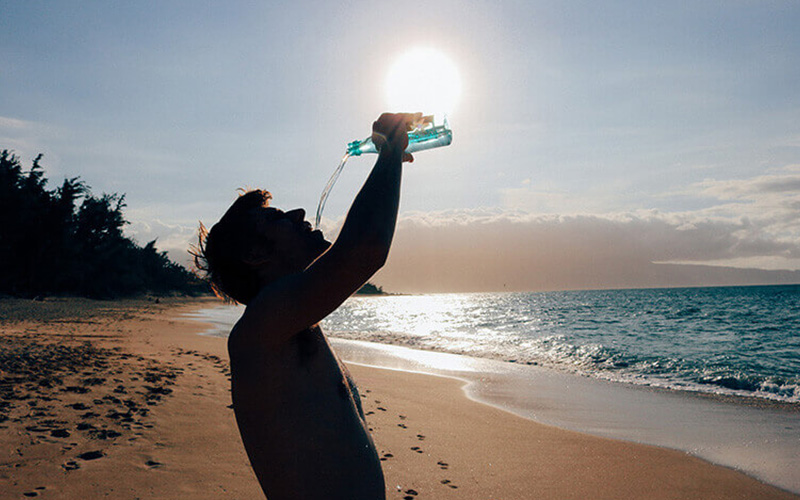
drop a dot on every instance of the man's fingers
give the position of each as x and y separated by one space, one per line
393 128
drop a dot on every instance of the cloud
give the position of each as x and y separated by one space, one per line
770 202
175 239
784 183
497 250
23 137
14 123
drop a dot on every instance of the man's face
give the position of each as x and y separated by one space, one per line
293 244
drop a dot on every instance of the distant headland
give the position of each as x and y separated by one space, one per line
370 289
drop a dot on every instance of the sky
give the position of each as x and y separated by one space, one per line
596 144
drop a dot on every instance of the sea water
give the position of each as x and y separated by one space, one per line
726 340
742 341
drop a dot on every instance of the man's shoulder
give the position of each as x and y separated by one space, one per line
247 337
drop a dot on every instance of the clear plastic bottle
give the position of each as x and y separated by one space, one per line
427 135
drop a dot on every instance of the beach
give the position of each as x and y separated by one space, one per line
126 400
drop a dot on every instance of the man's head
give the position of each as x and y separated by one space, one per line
254 244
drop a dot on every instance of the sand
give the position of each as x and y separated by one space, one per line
125 400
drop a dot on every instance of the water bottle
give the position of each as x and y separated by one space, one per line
426 135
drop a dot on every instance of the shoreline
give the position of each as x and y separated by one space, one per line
434 441
761 442
504 455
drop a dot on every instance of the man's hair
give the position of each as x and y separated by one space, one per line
221 253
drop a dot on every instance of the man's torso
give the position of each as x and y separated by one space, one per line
300 421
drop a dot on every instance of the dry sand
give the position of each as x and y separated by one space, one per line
124 400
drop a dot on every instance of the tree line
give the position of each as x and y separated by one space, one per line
67 241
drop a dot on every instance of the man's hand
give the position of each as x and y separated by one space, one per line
390 133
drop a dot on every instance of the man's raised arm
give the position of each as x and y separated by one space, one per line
298 301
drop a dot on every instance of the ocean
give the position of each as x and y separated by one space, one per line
742 341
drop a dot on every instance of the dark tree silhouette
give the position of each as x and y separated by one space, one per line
52 244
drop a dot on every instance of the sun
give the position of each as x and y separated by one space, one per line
423 79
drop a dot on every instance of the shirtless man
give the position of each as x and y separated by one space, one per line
298 410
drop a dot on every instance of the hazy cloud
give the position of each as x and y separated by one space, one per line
488 250
175 239
14 123
769 203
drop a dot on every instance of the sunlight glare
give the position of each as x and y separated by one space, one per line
424 80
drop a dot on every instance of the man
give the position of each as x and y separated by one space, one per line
298 411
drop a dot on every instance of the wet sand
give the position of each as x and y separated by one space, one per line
125 400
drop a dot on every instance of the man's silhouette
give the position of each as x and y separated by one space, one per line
299 412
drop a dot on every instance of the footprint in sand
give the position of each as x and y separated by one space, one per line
421 437
91 455
403 426
442 465
417 449
448 483
71 465
103 434
410 494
